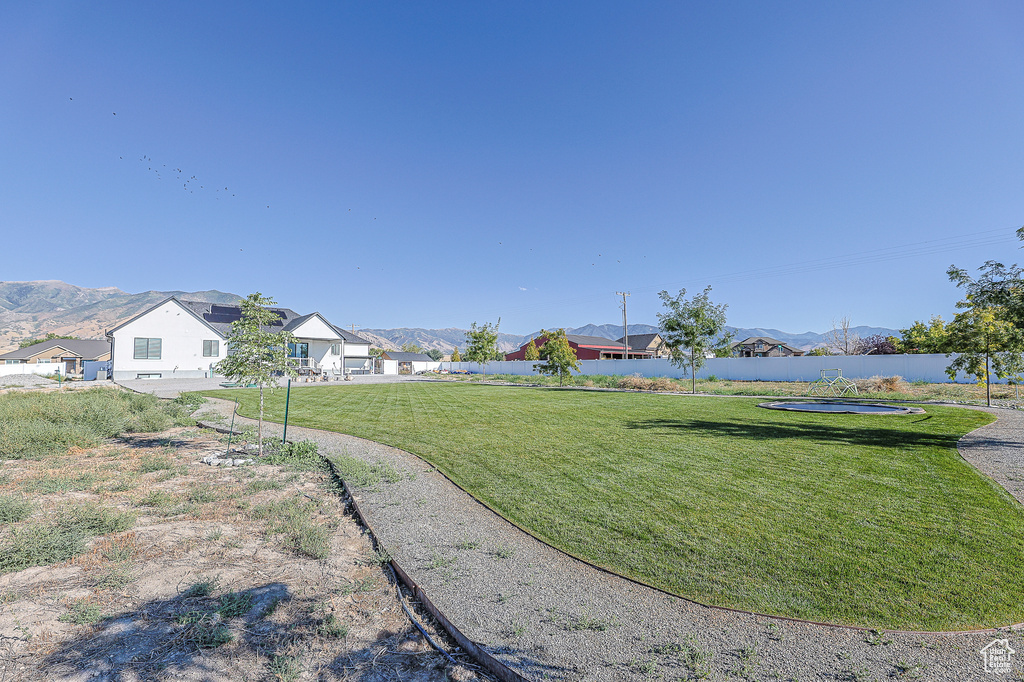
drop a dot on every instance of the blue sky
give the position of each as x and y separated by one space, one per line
435 164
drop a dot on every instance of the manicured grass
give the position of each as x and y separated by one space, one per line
873 521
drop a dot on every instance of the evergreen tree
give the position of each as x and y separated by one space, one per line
455 355
531 351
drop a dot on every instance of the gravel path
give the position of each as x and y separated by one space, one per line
546 615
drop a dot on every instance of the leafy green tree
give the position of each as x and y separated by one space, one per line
455 355
988 335
411 348
924 338
49 337
435 354
692 328
559 357
376 352
256 355
820 350
482 344
531 351
984 344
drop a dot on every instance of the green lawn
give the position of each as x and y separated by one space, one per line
864 520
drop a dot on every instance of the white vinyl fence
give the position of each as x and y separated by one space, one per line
41 368
930 368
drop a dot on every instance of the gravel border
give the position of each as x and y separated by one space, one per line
546 615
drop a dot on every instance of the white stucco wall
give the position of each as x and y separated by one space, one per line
181 336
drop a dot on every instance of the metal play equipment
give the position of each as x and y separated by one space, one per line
831 382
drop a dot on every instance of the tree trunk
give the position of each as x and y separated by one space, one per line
259 448
693 371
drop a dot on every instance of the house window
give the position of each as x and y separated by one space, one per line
760 346
147 349
335 349
211 349
44 361
298 350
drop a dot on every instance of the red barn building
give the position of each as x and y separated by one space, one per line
587 348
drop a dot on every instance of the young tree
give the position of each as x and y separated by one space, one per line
692 328
531 351
559 357
482 344
989 334
984 344
455 355
840 339
256 355
412 348
435 354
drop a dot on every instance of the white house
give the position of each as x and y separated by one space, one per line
185 339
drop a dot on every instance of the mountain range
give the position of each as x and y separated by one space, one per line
33 309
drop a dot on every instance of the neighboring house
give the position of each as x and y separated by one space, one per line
587 348
410 363
652 343
69 352
185 339
764 347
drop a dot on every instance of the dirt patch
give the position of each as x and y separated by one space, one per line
188 571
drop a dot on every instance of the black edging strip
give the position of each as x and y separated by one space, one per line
486 661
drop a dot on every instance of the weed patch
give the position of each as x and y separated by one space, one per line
83 612
14 509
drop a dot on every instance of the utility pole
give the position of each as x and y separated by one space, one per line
625 327
353 325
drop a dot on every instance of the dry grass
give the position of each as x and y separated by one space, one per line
218 569
880 384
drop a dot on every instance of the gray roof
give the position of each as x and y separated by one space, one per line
220 316
641 341
592 340
407 357
87 349
763 339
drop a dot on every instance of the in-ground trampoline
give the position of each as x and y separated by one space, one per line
840 407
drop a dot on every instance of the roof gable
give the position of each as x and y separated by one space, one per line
312 326
187 306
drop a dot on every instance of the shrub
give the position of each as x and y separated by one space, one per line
880 384
302 455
